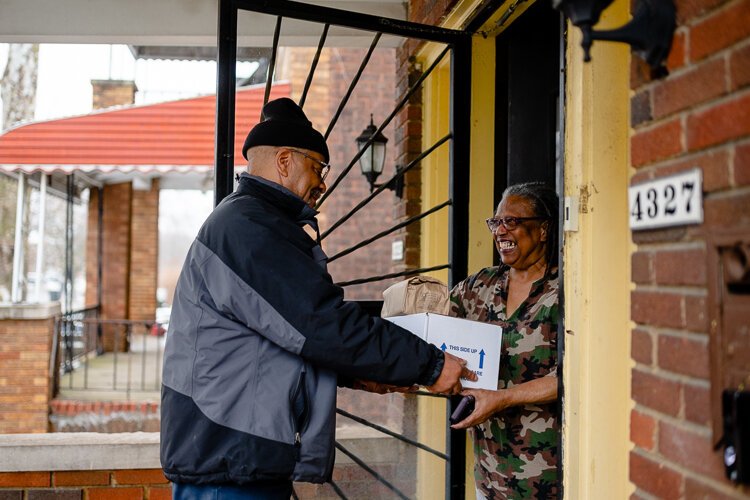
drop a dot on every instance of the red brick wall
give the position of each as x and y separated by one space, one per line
146 484
129 253
429 11
116 258
115 252
355 482
374 94
699 116
92 249
150 484
409 127
24 367
144 253
408 146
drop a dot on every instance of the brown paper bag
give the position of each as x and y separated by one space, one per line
415 295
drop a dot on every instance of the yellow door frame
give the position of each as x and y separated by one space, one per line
596 258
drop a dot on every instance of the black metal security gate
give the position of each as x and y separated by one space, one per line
458 45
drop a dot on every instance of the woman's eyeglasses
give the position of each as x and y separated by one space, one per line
324 167
510 223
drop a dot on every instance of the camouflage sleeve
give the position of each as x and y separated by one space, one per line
457 309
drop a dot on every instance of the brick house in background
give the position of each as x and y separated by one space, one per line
130 206
135 151
130 153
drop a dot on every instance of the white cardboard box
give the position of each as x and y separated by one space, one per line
476 342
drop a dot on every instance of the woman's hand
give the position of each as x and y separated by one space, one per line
486 404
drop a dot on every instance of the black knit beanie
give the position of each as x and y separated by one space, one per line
283 123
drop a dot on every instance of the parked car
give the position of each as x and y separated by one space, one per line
162 321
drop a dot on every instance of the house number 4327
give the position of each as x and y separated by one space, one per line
669 201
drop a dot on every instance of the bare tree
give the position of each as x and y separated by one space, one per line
18 93
7 225
18 87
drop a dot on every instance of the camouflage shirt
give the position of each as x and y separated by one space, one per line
515 451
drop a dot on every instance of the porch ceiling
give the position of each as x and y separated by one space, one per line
190 23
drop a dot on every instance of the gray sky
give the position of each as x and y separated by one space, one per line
66 71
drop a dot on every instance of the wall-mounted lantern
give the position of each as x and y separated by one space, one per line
372 160
650 32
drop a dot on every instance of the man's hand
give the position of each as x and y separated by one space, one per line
449 381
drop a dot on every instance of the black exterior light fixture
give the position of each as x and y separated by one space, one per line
649 33
373 159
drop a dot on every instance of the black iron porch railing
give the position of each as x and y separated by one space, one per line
398 436
121 357
71 341
458 46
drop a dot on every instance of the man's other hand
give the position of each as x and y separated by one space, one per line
449 381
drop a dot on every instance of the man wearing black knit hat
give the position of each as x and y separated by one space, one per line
271 146
260 336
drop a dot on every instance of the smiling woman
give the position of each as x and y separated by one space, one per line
515 428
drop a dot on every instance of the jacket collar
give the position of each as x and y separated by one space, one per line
280 197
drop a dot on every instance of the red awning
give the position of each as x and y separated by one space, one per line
156 139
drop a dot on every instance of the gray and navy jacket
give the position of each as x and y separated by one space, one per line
258 337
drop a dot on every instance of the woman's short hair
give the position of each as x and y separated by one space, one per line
545 203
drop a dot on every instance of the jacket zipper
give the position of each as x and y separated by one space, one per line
300 420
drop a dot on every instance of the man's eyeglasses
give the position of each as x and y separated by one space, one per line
510 223
324 167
